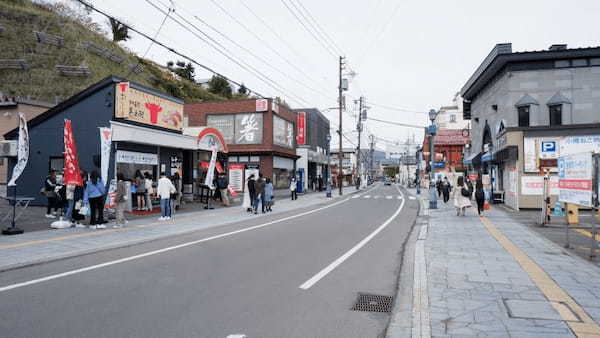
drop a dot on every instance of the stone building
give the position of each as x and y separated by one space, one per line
522 107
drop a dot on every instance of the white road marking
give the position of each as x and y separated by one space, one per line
355 196
236 336
314 279
412 197
390 197
376 197
155 252
367 196
399 197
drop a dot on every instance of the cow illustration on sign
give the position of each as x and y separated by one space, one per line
249 126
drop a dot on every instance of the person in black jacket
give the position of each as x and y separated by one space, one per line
49 186
446 188
479 195
251 191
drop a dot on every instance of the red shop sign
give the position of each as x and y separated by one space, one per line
301 122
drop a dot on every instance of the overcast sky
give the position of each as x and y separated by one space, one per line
409 54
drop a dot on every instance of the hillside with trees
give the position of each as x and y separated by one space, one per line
51 51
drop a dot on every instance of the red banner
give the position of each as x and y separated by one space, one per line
72 173
575 184
301 122
218 166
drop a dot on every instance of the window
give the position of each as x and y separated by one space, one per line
452 118
555 114
523 116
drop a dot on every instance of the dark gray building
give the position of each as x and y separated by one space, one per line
312 130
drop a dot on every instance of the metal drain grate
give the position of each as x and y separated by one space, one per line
373 303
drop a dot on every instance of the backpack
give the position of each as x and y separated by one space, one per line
465 192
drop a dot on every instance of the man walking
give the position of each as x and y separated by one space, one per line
222 184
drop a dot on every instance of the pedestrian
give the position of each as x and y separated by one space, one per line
164 190
149 190
222 184
140 190
259 187
320 182
438 185
121 197
269 194
93 196
293 186
48 191
446 189
176 180
461 197
479 195
77 216
469 185
249 194
70 196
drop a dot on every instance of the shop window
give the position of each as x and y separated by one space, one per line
243 159
452 118
555 114
523 112
254 158
233 159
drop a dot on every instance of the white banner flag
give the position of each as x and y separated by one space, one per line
22 151
210 174
105 142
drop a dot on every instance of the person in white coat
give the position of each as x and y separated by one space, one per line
461 203
164 190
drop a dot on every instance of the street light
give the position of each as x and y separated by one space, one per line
328 191
432 131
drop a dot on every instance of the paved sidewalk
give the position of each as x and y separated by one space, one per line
493 277
41 246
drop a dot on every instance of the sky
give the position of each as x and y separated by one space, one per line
408 54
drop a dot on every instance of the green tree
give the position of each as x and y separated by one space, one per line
120 31
243 90
220 86
185 71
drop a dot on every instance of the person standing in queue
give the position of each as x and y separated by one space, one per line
164 190
121 198
49 186
293 187
269 194
259 187
93 195
250 188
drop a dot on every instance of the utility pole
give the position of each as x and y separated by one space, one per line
340 98
372 148
359 129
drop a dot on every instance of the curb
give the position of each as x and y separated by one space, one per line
403 303
81 253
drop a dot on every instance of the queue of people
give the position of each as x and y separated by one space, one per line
258 191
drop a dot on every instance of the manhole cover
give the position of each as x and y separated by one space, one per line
373 303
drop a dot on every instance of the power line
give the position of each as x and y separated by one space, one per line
336 47
316 27
249 68
405 110
397 123
307 29
129 27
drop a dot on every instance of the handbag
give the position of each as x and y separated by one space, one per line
465 192
84 210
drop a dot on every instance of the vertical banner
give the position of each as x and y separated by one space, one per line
71 169
22 151
210 174
236 177
105 143
301 122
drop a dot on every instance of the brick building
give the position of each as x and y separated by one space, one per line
260 134
448 146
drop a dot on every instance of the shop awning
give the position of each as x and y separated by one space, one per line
510 153
472 159
125 132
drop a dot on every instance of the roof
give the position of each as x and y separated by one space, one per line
110 80
502 54
449 137
526 100
558 98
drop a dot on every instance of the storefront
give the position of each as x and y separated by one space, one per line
313 128
259 135
140 128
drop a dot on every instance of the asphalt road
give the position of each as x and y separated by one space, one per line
286 275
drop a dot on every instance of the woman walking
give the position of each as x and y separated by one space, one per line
140 190
293 186
462 197
93 196
479 195
121 200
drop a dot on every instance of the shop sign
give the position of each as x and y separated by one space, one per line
262 105
577 144
548 149
248 128
283 132
224 124
537 148
301 122
139 106
124 156
575 179
534 185
438 164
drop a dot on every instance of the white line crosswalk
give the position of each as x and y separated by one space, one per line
387 197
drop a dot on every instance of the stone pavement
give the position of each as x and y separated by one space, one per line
493 277
47 245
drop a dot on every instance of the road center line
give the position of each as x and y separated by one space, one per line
314 279
167 249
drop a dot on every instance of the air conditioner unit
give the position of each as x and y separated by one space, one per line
8 148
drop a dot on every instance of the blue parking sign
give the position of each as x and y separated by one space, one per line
548 146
